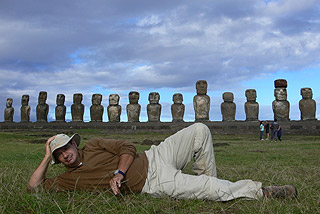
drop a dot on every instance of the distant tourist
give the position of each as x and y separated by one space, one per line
275 128
279 133
267 128
261 130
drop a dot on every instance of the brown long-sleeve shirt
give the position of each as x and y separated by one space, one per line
100 158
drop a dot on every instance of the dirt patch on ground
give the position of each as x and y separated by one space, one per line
41 135
220 144
157 142
149 142
258 151
37 141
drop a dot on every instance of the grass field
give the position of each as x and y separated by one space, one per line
295 160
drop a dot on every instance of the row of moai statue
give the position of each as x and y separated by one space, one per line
96 109
201 103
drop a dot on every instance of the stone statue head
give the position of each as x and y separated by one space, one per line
177 98
9 102
77 98
96 99
201 86
60 99
114 99
25 100
42 97
280 94
134 97
251 94
227 97
154 97
306 93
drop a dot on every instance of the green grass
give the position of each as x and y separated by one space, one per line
296 160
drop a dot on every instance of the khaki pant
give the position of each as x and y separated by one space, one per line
168 159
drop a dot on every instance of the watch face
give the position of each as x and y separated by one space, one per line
116 172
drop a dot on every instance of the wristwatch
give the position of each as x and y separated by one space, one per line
119 172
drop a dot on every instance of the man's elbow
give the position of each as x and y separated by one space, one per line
34 185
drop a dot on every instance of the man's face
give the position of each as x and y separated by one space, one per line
68 155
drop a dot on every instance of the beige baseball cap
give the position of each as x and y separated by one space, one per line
61 140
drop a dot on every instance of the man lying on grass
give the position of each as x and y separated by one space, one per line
114 164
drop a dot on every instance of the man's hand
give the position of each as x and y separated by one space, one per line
115 183
124 164
47 146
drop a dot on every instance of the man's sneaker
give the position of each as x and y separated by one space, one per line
286 191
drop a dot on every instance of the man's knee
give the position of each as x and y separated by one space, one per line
202 127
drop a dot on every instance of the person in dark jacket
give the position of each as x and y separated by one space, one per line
279 133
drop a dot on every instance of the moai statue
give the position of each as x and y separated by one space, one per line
307 105
96 110
77 108
251 106
42 109
9 111
25 108
133 109
114 109
177 108
228 107
201 101
280 105
60 110
154 108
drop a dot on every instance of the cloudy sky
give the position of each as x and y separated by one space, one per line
117 46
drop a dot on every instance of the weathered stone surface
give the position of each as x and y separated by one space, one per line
307 105
42 109
281 106
177 108
309 127
154 108
251 106
280 83
201 101
96 109
114 109
77 108
25 108
228 107
9 111
133 108
60 110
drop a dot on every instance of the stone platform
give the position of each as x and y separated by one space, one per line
216 127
